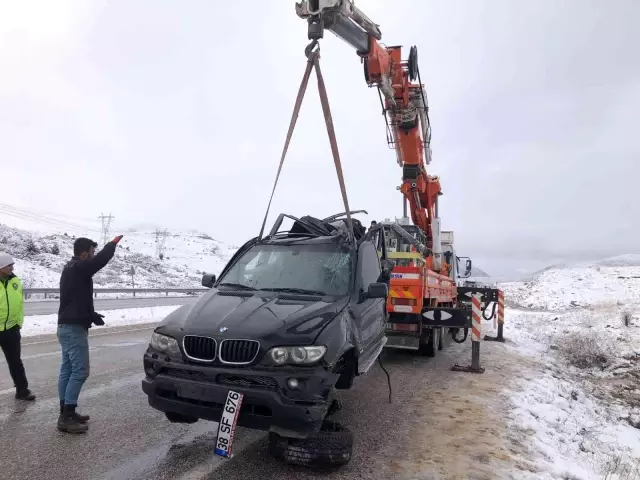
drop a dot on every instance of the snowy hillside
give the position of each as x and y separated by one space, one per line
40 258
607 282
580 327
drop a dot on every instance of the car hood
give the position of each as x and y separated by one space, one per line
269 318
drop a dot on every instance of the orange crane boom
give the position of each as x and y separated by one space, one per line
425 301
405 106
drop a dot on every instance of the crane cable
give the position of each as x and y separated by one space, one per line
292 125
313 60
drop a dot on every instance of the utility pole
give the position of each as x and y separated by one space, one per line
106 224
161 238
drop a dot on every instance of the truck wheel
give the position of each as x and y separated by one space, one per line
330 447
430 348
174 417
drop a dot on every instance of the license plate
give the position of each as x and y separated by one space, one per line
227 426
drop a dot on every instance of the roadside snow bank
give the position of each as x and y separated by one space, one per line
47 324
575 436
579 422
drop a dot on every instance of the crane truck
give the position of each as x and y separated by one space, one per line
427 299
296 315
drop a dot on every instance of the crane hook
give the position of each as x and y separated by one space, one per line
309 50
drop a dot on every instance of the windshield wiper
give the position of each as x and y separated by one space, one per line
237 285
294 290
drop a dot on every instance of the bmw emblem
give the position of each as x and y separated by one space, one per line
223 329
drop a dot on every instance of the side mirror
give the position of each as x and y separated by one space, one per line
208 280
467 268
377 290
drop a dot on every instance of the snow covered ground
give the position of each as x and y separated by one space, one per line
578 400
41 249
609 282
47 324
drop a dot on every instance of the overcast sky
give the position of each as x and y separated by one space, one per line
174 114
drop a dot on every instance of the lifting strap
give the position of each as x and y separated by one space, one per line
313 60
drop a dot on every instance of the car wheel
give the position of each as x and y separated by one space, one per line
330 447
174 417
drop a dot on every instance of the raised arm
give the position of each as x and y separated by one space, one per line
91 266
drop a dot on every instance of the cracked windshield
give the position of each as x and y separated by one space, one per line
321 269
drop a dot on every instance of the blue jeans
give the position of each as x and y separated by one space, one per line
74 340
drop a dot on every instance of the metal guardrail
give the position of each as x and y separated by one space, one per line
53 291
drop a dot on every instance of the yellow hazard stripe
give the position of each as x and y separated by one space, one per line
405 255
401 294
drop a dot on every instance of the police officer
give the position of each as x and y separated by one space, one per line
11 320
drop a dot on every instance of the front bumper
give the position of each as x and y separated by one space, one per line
268 404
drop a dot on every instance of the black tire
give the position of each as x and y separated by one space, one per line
330 447
442 338
174 417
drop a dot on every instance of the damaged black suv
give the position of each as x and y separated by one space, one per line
292 317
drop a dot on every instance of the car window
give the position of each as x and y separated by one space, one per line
322 268
369 265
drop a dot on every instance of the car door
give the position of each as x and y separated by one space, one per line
369 313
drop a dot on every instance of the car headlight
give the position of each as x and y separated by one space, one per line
295 355
164 343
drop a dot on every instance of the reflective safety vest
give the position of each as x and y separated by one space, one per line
11 303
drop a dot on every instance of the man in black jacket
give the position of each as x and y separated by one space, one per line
75 316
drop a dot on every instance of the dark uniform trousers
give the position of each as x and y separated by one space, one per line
10 343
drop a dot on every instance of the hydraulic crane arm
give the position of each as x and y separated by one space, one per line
404 102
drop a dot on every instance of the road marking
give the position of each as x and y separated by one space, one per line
88 392
40 355
123 344
55 340
91 349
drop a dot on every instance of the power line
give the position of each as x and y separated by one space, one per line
39 218
46 213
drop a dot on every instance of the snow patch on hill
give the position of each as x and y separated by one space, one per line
40 258
629 260
581 325
609 282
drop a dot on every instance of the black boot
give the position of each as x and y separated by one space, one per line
69 423
80 418
25 394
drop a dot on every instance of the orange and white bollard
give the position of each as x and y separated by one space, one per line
476 336
476 322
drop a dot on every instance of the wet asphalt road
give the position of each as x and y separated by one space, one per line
128 440
46 307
